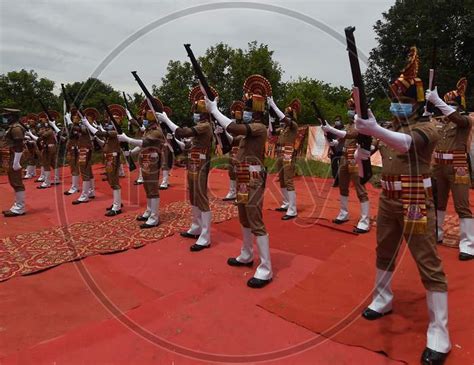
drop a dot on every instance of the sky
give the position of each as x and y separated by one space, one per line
67 41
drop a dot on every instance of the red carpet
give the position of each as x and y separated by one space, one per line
329 301
162 304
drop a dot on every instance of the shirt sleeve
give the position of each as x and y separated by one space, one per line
257 129
153 139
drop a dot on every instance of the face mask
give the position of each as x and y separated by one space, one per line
4 121
145 123
196 117
109 127
351 114
338 124
401 110
247 117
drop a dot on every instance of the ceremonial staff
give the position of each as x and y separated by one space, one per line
360 100
123 145
222 138
155 107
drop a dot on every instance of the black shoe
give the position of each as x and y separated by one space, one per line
197 248
77 202
465 256
43 187
164 187
232 261
360 231
339 221
137 183
372 315
10 214
38 180
92 197
189 235
228 199
288 217
258 283
110 208
432 357
112 212
145 226
281 209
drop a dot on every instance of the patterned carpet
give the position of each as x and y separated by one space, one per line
32 252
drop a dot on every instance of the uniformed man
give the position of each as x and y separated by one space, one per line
167 156
31 152
451 169
199 157
112 151
236 112
11 149
251 176
84 159
348 172
48 143
151 145
406 208
335 153
72 150
286 155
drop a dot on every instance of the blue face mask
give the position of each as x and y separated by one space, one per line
401 110
145 123
196 117
351 114
4 121
109 127
247 117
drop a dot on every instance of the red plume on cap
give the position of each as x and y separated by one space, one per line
408 84
237 109
168 110
117 109
294 108
459 95
196 98
53 113
92 113
256 89
31 116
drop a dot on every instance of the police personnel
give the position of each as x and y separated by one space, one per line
251 176
406 208
198 166
451 169
151 145
11 149
287 155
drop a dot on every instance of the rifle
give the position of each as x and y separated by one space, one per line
157 108
68 106
45 110
123 145
319 115
130 125
360 101
222 137
431 77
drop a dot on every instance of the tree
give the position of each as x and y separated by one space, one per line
226 69
91 92
416 22
22 89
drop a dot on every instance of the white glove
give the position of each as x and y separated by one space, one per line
101 128
337 132
214 110
126 153
16 161
91 128
433 97
334 143
99 141
67 118
53 125
129 116
32 135
124 138
361 154
163 118
180 143
400 142
135 150
219 130
169 136
277 111
142 129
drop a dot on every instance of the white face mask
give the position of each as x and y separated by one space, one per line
196 117
247 117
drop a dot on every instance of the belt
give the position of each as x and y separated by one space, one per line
393 186
447 157
255 168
